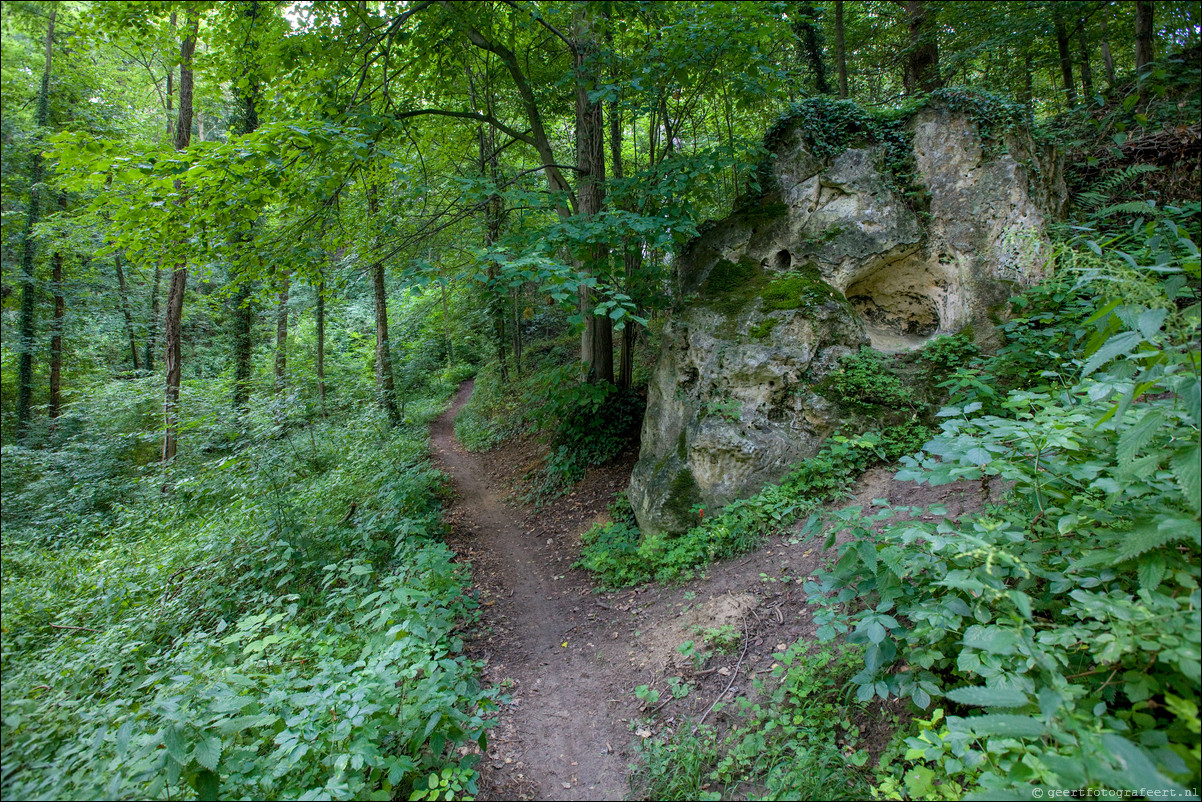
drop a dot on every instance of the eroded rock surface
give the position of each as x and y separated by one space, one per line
834 255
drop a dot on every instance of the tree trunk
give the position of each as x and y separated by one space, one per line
1083 60
321 340
516 332
155 314
179 276
629 249
840 50
1144 54
244 325
489 167
56 328
28 324
1066 62
922 64
125 313
804 22
385 384
170 90
596 340
1027 95
446 325
281 335
246 121
1107 58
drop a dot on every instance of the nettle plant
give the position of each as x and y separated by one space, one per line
1061 630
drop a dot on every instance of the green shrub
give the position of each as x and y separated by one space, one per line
949 353
1061 631
610 550
800 741
588 424
241 635
864 382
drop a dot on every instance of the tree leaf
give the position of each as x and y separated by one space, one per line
1137 435
208 751
1005 725
1114 346
1187 469
988 697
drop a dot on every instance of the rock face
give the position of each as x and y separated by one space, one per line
831 257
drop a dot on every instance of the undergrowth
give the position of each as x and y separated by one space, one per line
799 741
275 618
1054 638
618 556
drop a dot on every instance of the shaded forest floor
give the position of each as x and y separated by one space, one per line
570 655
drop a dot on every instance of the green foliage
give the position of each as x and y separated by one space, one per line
799 741
616 555
994 115
1062 627
231 636
588 424
949 352
864 382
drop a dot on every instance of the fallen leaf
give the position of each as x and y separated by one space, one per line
643 732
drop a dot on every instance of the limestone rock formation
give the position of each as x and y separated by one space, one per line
833 255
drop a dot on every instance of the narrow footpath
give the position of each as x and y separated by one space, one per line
569 657
560 737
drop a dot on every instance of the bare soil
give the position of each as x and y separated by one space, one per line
569 655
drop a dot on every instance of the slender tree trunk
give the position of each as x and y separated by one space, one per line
155 313
125 313
56 328
446 325
385 381
246 121
321 340
170 90
488 167
28 324
1066 61
629 265
516 332
244 325
804 22
1144 53
1107 58
1027 93
1083 60
840 49
281 335
596 343
179 276
922 65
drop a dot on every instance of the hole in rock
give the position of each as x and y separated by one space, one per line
897 306
783 260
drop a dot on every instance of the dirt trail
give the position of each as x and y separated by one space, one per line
570 658
565 726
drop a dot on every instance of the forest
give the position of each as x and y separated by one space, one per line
433 399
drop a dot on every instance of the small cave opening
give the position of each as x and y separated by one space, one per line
898 307
782 261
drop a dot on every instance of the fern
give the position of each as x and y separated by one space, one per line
1107 188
